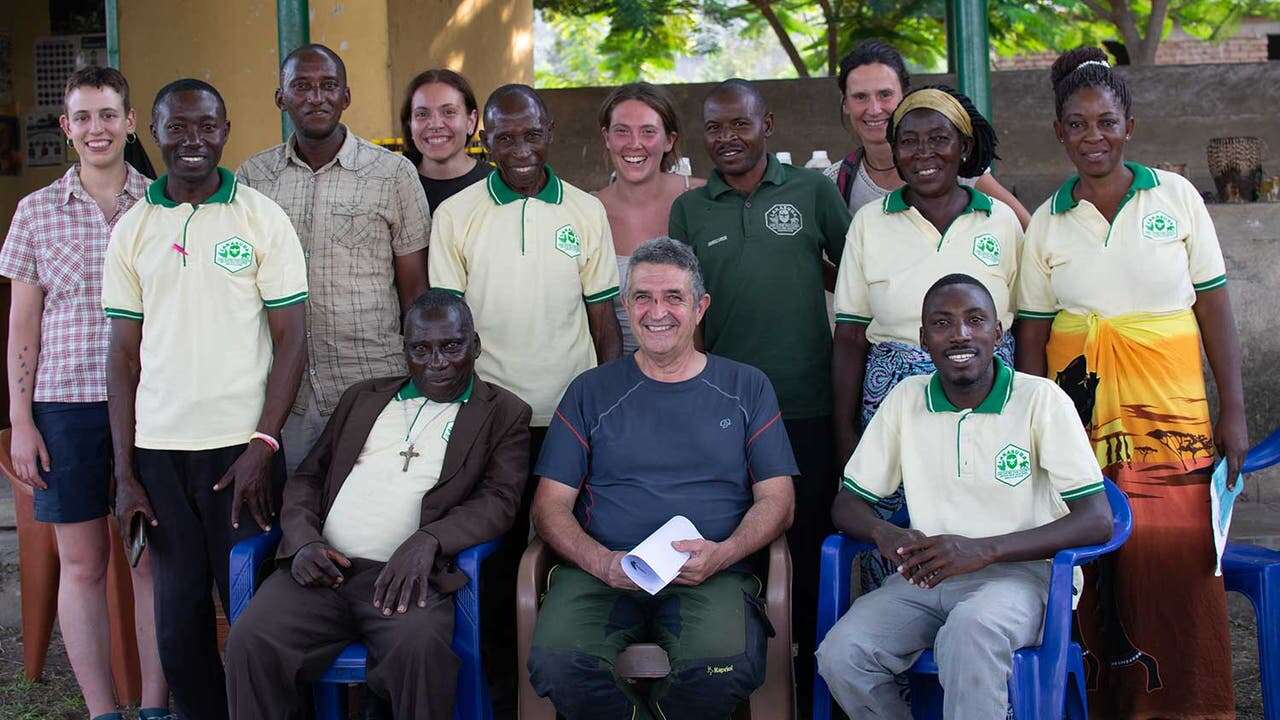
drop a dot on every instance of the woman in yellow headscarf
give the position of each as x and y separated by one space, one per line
1121 279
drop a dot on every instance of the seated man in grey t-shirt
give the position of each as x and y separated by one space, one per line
666 431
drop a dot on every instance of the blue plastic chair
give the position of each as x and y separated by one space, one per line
1046 681
1254 572
471 701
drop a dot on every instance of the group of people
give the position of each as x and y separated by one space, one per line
396 357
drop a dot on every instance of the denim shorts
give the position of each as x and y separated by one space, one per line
78 438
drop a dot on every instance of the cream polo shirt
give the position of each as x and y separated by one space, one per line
1004 466
1161 250
200 279
893 255
380 503
526 266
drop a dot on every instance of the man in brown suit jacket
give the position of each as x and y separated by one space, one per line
407 473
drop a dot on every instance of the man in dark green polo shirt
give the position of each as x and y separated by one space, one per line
760 230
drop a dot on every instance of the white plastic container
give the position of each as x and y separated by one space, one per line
819 160
784 157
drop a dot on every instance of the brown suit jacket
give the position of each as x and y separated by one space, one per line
486 465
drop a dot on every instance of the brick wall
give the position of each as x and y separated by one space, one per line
1170 52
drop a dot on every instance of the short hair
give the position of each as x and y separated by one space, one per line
658 100
984 138
315 48
874 52
98 77
741 87
186 85
438 298
1085 67
947 281
517 90
664 250
444 76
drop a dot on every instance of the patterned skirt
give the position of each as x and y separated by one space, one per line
888 363
1152 617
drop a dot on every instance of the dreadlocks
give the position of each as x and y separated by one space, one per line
1087 67
984 136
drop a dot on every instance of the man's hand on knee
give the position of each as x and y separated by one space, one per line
316 565
930 560
410 565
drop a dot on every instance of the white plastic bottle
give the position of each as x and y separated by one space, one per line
819 160
784 157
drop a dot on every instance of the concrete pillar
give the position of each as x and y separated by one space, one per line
293 30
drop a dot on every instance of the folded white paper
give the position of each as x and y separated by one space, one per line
1221 500
654 563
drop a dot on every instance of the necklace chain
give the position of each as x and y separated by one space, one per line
404 410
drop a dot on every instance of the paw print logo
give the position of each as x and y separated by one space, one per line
987 249
1013 465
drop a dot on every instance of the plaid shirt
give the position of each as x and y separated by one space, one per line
352 216
57 242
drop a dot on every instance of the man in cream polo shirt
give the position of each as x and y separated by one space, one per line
999 476
533 256
204 283
408 472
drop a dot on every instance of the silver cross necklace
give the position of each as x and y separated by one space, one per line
408 453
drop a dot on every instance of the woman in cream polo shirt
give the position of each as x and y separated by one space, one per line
1121 277
897 248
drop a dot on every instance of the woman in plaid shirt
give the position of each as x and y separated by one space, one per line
57 378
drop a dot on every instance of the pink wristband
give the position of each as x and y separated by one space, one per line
267 440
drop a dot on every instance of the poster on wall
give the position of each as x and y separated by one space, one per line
6 68
45 141
57 57
10 148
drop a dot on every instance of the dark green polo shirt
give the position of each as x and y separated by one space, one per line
761 256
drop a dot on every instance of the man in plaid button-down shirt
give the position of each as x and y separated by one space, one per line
363 222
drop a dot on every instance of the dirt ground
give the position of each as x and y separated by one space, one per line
56 696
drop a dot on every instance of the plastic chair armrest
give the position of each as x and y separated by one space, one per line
246 557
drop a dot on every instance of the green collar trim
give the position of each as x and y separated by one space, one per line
225 193
936 399
1144 178
774 174
502 194
409 391
896 201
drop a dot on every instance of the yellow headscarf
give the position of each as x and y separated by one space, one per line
937 100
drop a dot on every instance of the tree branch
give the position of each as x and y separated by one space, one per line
1155 28
829 14
764 6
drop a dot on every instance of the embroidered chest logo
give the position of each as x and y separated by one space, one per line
1013 465
784 219
233 254
725 423
447 432
567 241
1159 226
987 249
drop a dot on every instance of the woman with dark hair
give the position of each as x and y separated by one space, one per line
439 117
641 133
873 78
57 364
1121 279
897 248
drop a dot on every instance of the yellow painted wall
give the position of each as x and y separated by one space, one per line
488 41
232 44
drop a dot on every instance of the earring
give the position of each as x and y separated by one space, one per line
70 144
131 138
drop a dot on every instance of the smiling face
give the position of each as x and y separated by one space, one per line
97 124
441 351
440 122
518 135
960 330
636 139
734 131
191 128
313 90
1094 130
662 309
928 150
871 92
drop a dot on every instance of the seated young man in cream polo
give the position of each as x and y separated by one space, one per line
999 476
